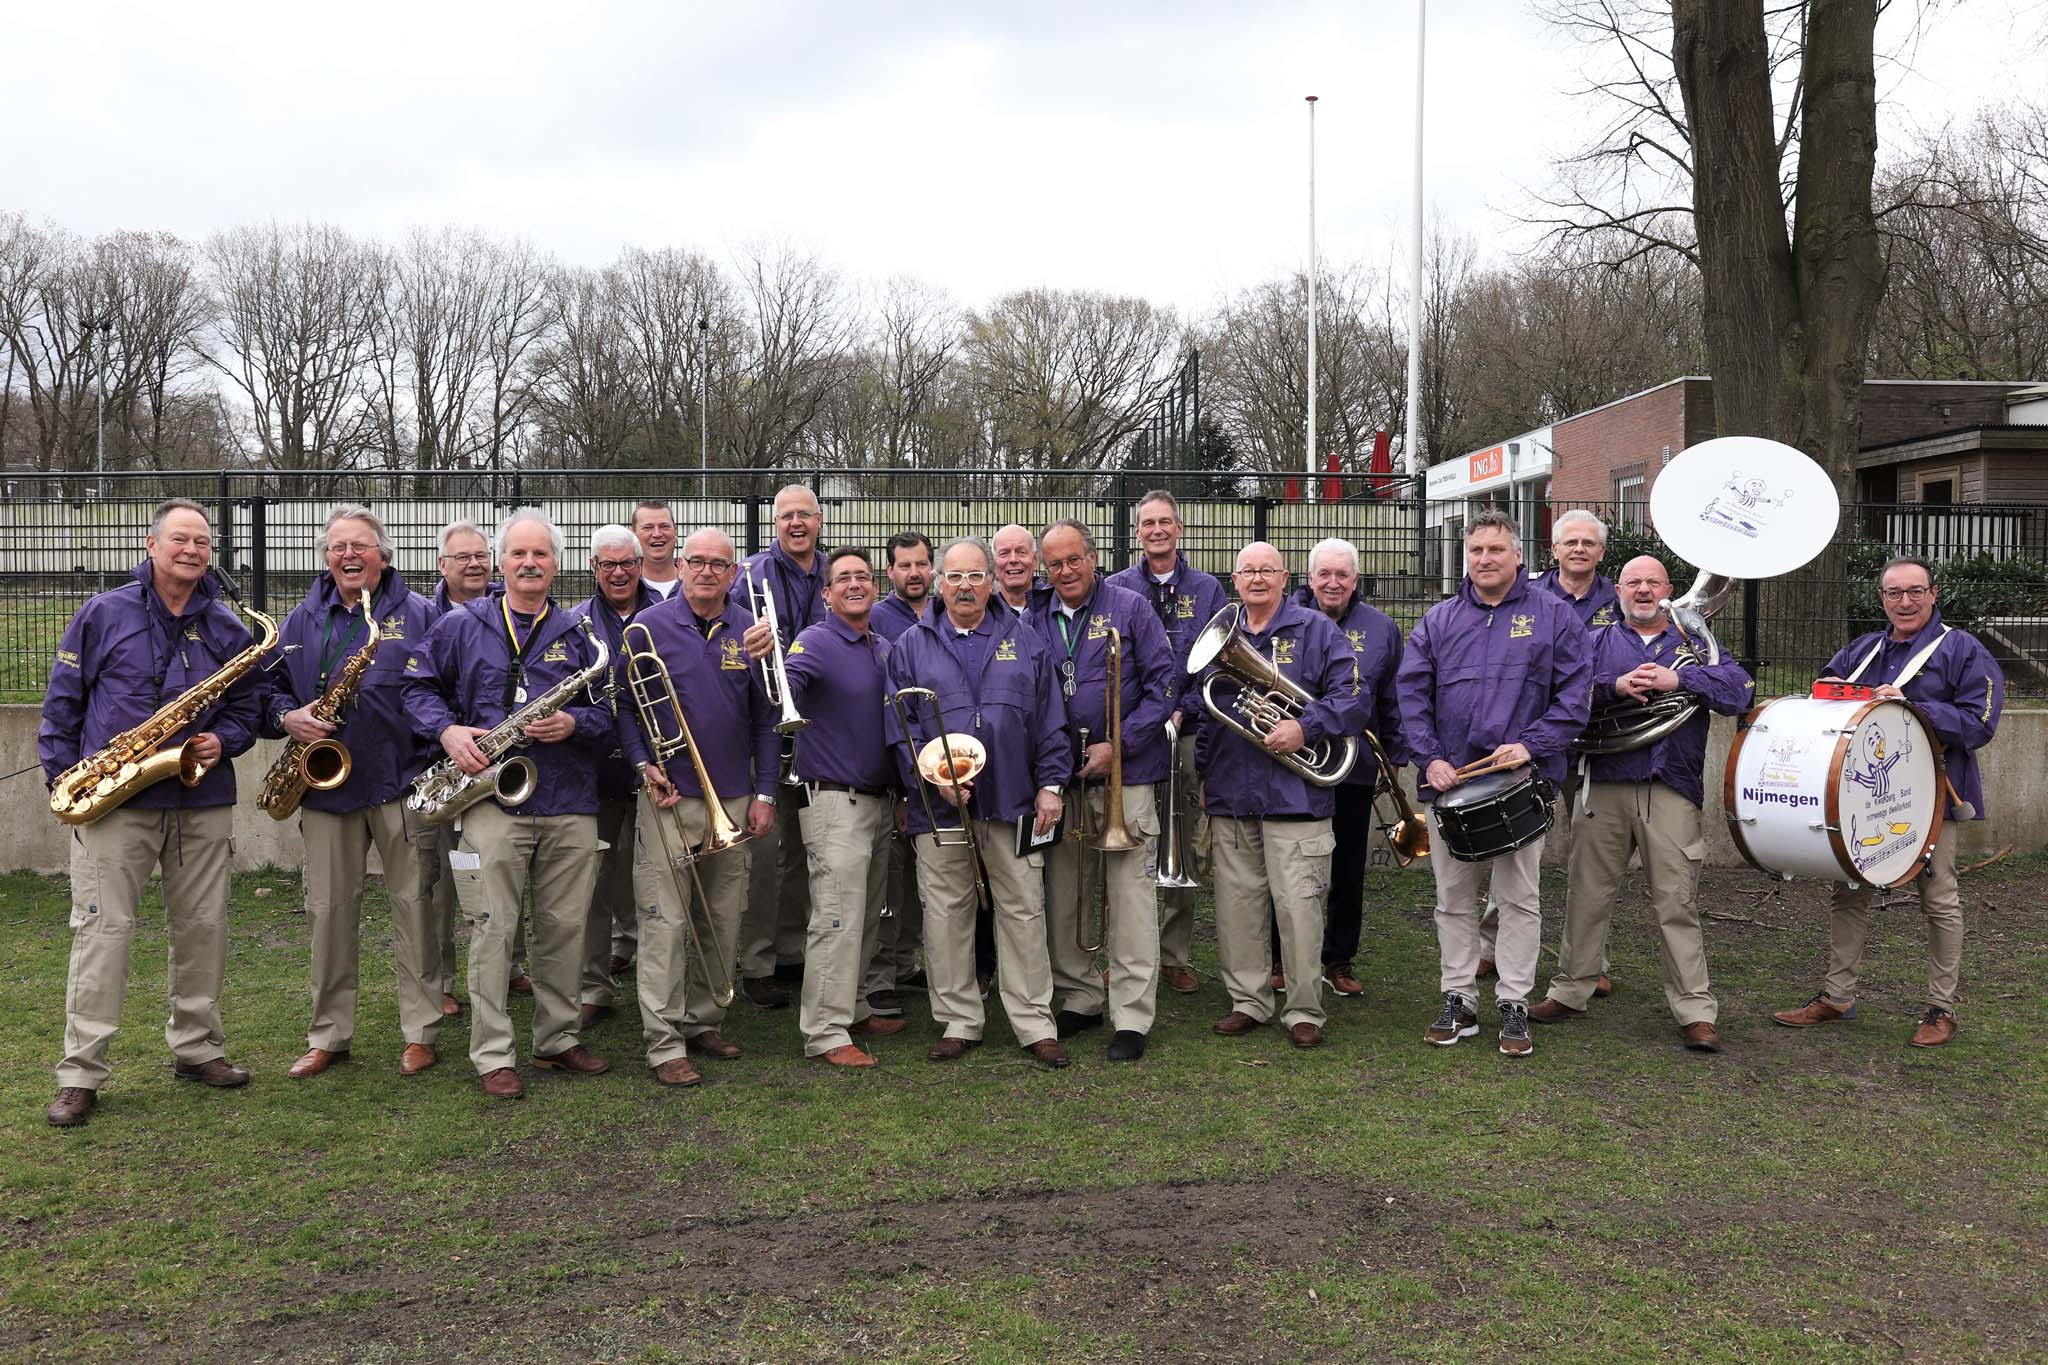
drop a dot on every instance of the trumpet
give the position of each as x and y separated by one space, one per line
651 687
774 672
950 758
1264 697
1172 867
1408 836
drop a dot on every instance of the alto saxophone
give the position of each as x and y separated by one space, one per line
320 764
444 791
137 758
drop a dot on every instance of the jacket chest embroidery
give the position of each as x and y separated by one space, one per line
393 626
1283 652
1522 625
729 657
1357 639
1603 617
1184 607
556 653
1098 626
1006 651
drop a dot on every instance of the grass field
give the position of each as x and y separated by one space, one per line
1822 1195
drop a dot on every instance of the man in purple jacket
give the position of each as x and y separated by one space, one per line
837 677
792 569
127 652
480 663
1647 801
464 563
893 968
1075 622
340 825
1185 599
1269 826
625 878
1501 672
994 681
1333 589
1960 689
697 634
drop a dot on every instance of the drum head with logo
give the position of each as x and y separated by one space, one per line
1744 507
1888 788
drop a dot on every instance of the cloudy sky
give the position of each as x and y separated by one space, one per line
1155 149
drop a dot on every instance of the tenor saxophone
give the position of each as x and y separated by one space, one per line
137 758
444 791
320 764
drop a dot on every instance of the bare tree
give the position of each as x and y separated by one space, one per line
585 388
296 332
661 296
881 411
781 358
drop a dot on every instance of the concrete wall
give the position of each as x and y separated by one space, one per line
2015 790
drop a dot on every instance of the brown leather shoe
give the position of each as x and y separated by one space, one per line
1306 1034
620 964
220 1073
314 1062
952 1049
1048 1052
1550 1010
677 1073
762 993
849 1055
577 1061
1819 1010
520 984
1937 1026
1486 969
503 1084
1700 1037
592 1014
1603 987
416 1058
709 1044
1279 981
1236 1024
450 1007
1339 977
880 1026
72 1107
1180 979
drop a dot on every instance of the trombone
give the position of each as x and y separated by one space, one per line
648 680
1408 836
1115 835
952 759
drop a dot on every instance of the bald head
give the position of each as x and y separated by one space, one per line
1261 579
1016 562
1643 585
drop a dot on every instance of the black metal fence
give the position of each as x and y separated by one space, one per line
65 537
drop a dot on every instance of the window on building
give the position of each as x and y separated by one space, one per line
1631 497
1941 491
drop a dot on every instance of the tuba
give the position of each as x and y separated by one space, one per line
1263 698
323 764
137 758
444 791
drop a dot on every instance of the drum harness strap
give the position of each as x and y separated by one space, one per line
1913 665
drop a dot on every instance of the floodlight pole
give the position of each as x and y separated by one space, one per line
1309 454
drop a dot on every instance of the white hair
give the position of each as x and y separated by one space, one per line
614 536
537 517
1336 545
1580 514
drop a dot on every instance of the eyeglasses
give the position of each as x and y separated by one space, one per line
1912 594
343 550
799 516
844 579
1262 571
1064 565
970 578
477 557
1631 584
614 565
699 564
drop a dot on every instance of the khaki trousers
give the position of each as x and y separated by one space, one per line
496 856
1561 820
1610 821
846 840
337 848
1939 902
676 1000
1177 904
895 957
1512 881
1288 862
111 861
946 880
438 894
625 891
778 908
1132 939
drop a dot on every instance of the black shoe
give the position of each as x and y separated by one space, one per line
763 993
1071 1022
1126 1045
789 971
914 982
887 1004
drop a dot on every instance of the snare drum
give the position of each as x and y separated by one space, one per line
1484 817
1845 791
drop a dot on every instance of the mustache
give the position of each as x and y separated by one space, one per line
529 571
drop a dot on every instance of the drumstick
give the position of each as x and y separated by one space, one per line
1480 767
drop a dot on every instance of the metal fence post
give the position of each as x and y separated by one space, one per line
259 557
1120 521
1750 662
1261 508
752 502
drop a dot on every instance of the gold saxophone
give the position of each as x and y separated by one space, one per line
136 758
321 764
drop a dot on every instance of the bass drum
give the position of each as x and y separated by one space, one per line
1843 791
1485 817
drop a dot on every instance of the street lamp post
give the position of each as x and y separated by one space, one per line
704 401
1309 455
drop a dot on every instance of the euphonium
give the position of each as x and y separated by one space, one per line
322 764
1265 697
135 759
444 791
1624 724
